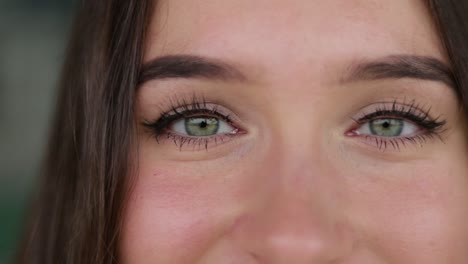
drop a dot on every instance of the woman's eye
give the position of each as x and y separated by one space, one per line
203 126
388 127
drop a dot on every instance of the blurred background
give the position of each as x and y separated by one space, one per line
33 35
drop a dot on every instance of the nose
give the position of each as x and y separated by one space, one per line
296 218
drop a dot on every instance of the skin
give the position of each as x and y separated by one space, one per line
293 186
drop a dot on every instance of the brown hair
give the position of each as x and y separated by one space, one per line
77 214
452 21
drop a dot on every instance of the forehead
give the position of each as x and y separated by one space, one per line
274 32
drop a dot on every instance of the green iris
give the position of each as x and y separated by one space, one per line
201 126
386 127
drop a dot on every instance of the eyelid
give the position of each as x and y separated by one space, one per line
208 108
407 111
394 105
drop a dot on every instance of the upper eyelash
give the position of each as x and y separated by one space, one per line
184 109
410 112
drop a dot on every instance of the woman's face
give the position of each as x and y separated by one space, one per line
297 132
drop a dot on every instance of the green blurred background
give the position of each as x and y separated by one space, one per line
33 34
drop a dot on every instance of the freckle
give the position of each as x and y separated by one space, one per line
160 177
158 173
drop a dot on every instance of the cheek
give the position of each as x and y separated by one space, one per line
173 216
164 219
418 215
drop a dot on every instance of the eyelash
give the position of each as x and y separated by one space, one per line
186 109
431 128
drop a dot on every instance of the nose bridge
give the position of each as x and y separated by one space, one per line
296 214
299 154
302 177
298 120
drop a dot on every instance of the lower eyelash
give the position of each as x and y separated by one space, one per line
197 142
396 143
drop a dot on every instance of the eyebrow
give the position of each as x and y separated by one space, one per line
188 66
403 66
390 67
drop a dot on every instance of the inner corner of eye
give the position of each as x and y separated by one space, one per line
352 133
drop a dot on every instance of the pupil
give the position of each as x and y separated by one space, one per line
387 127
203 124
